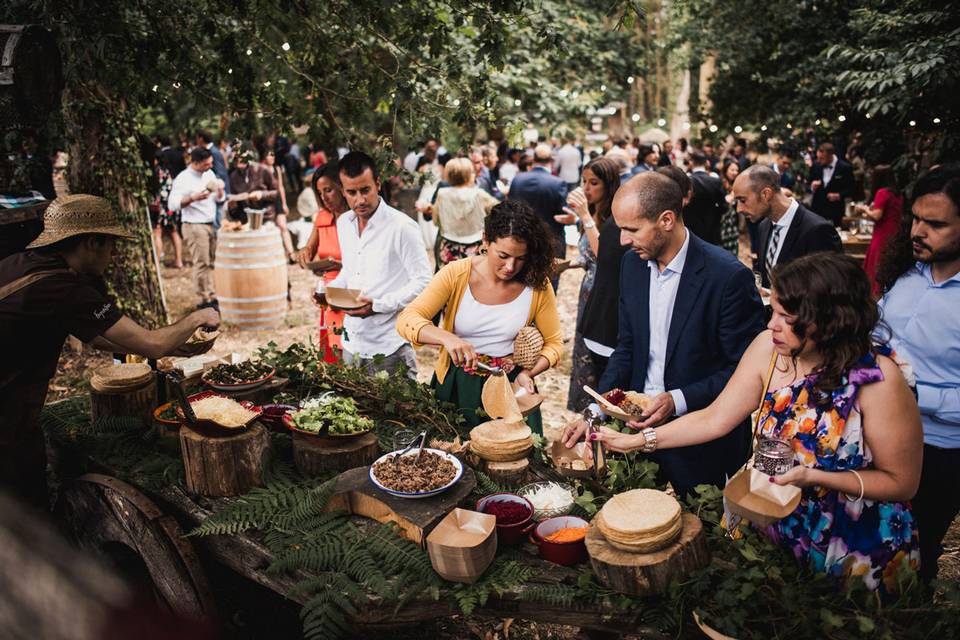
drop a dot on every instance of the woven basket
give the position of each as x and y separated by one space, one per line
527 347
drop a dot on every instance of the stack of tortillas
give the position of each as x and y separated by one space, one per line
507 437
117 378
501 441
640 521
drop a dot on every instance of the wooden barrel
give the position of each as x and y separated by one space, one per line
250 277
30 75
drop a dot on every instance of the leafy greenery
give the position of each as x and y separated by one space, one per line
503 575
392 401
813 70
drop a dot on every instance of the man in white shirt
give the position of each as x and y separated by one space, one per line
568 163
195 193
384 258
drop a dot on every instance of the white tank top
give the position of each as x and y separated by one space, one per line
492 328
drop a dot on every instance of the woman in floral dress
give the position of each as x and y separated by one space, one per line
846 408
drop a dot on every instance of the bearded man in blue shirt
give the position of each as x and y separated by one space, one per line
921 274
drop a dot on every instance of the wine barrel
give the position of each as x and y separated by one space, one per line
250 277
31 77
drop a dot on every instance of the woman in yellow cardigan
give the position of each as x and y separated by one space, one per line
486 300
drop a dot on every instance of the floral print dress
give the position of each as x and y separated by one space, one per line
842 537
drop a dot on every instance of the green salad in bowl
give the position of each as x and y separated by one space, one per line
338 415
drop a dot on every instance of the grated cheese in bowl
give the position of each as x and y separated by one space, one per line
549 499
223 411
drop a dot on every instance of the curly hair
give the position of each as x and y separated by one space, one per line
829 294
515 219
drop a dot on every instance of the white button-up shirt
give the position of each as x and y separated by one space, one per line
663 296
388 264
568 164
784 224
828 172
190 181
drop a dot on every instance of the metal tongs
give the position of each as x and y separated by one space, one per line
593 426
422 439
494 371
182 398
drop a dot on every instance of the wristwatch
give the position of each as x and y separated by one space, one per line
590 224
649 440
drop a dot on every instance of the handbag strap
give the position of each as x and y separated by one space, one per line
23 282
763 395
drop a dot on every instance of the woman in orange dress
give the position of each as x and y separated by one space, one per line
323 243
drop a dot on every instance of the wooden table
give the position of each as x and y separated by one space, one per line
856 246
129 506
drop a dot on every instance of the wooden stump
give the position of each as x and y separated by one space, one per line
224 466
313 455
138 403
356 494
646 574
509 474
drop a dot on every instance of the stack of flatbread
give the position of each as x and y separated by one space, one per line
507 437
117 378
640 521
501 441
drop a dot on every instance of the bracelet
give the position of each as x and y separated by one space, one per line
860 479
649 440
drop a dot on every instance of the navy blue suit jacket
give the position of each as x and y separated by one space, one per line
716 315
546 193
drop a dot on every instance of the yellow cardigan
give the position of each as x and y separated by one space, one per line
445 292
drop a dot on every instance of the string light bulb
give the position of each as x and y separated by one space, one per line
285 46
661 122
635 117
842 118
913 123
763 127
936 121
713 128
738 129
630 80
517 102
817 122
249 52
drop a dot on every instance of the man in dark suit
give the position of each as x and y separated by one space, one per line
788 230
545 193
831 181
688 311
702 215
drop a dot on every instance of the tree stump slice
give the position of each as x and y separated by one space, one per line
120 525
224 466
510 474
647 574
137 403
357 495
313 455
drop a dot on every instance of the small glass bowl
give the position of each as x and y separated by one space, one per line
543 514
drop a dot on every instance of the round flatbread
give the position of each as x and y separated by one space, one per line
501 431
125 371
498 399
641 512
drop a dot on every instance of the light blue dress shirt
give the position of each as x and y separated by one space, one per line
663 295
923 317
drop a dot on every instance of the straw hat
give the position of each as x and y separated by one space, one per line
73 215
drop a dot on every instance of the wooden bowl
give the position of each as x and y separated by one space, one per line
240 386
463 545
324 431
343 298
215 429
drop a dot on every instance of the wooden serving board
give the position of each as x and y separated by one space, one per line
356 494
647 574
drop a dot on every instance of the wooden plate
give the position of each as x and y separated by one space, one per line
528 402
240 386
323 265
343 298
609 408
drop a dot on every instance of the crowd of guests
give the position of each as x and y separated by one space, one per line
856 363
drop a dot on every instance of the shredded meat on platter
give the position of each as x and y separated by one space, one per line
431 472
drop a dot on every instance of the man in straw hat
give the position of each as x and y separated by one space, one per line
54 289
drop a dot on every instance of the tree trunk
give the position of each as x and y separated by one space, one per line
105 161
